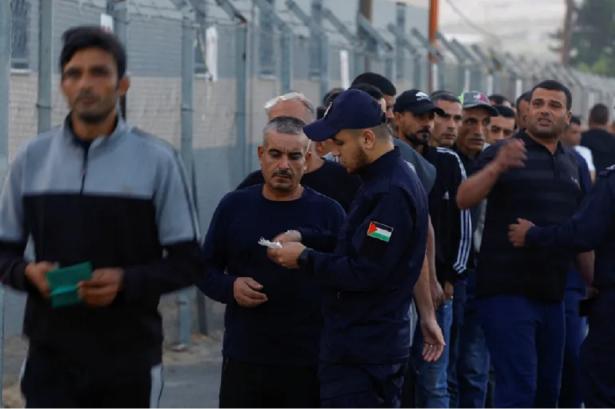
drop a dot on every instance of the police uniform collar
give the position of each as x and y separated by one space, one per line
375 169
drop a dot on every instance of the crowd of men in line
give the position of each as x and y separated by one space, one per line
387 252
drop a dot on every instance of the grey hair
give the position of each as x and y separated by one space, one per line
286 125
292 96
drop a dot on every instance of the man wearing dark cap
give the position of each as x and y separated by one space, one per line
476 113
414 116
368 280
473 360
425 170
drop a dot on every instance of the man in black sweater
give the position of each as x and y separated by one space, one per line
273 319
598 139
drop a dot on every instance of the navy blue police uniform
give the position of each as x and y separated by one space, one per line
593 227
368 280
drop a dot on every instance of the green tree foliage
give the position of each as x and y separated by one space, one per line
593 37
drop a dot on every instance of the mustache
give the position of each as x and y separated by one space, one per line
285 173
85 94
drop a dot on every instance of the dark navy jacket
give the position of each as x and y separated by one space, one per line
368 282
592 227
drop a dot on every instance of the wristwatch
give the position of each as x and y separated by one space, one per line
305 258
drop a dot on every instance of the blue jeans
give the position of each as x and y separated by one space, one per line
526 343
459 303
576 327
473 365
431 383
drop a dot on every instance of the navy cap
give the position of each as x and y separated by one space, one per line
417 102
352 109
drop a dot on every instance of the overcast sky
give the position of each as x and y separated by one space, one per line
519 26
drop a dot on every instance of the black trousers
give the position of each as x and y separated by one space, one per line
52 382
246 385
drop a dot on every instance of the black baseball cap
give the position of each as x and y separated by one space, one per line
352 109
417 102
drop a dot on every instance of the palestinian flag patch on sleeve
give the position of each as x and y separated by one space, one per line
379 231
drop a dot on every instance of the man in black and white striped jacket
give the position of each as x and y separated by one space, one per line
414 114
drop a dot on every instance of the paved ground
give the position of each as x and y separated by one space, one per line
191 377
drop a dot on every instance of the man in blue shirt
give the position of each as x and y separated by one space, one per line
521 290
368 280
273 319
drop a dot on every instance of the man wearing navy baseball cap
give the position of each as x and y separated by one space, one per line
368 280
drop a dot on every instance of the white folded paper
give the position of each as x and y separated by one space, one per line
270 244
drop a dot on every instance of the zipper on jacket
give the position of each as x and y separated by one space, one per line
84 167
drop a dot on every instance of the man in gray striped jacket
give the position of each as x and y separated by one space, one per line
96 190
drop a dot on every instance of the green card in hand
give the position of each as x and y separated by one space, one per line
63 283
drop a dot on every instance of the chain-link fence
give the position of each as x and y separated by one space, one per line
245 52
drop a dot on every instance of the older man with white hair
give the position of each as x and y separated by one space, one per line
326 177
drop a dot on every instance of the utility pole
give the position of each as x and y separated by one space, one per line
366 8
433 42
567 33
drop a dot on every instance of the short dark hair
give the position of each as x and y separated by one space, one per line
526 96
574 119
504 111
498 99
82 37
599 114
379 81
443 95
372 91
553 85
330 96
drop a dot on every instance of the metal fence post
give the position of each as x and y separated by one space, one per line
5 79
286 60
350 38
119 11
323 47
241 70
374 40
185 297
45 65
200 10
400 25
